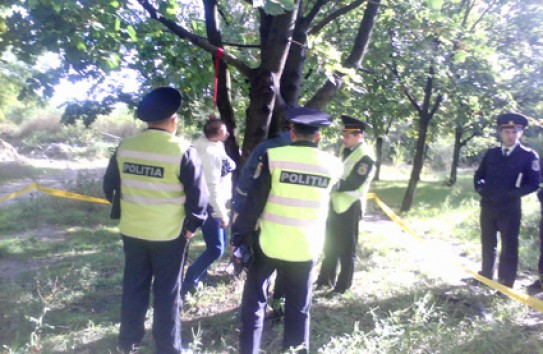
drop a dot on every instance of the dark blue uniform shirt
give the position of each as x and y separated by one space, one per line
502 180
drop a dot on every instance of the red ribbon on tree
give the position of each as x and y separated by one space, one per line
218 57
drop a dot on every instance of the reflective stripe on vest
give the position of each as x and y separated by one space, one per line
294 218
152 196
341 201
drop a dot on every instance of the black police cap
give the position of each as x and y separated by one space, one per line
310 117
159 104
512 120
353 125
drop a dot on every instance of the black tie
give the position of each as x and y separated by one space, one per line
505 152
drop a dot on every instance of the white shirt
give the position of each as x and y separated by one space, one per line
507 151
212 155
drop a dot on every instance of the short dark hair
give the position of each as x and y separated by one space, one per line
212 127
305 132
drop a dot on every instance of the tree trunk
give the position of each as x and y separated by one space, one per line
224 100
418 162
456 155
378 157
264 93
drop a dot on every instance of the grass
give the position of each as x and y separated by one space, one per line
11 171
62 293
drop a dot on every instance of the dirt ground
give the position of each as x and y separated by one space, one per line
65 173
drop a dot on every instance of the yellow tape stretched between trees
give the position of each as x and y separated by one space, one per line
524 298
54 192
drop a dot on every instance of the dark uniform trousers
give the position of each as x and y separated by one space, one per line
144 260
540 264
507 222
297 291
340 245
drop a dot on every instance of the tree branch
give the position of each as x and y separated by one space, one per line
199 41
336 14
435 107
328 91
240 45
314 11
472 28
403 86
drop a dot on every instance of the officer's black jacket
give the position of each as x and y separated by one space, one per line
192 178
497 176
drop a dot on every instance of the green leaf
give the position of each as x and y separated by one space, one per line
56 6
132 33
435 4
32 4
460 56
80 45
117 24
115 4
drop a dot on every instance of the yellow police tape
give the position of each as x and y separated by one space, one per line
524 298
54 192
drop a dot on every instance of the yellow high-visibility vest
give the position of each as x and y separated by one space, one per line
294 218
341 201
152 196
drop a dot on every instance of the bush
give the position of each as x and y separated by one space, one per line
120 123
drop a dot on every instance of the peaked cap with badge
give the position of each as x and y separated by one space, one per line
159 104
312 119
353 125
512 120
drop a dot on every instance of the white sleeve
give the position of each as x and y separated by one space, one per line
212 170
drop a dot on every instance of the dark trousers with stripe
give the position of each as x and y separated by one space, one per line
158 264
297 291
506 221
340 245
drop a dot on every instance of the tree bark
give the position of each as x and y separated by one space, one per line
418 162
456 155
264 93
378 157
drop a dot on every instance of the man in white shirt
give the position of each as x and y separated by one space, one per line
217 168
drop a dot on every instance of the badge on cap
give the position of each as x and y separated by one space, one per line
512 120
353 125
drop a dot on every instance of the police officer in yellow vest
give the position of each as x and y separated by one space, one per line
348 205
290 194
163 198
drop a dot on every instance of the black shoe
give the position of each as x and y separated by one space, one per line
339 291
323 284
534 288
474 282
126 349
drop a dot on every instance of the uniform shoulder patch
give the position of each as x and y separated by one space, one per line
363 169
535 165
